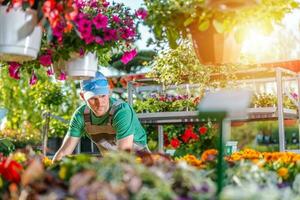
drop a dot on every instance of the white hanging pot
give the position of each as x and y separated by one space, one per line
20 38
81 68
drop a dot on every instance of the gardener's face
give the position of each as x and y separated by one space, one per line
99 104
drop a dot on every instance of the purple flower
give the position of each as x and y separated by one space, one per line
14 69
116 19
99 40
100 21
141 13
128 56
62 76
33 79
45 60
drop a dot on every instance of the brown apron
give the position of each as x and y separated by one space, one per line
104 136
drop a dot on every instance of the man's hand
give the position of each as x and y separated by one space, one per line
125 143
66 148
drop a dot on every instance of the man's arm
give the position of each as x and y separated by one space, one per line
125 143
66 148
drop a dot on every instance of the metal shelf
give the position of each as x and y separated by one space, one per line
192 116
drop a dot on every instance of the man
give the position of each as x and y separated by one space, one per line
111 124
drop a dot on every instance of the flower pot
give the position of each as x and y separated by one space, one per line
212 47
230 4
81 68
20 38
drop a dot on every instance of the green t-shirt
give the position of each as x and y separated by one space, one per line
124 122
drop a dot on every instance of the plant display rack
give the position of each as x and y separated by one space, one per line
256 76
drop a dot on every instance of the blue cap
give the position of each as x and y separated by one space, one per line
95 86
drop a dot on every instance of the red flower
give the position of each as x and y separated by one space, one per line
14 70
10 170
175 143
189 134
202 130
166 140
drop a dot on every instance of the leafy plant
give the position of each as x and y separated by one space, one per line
26 104
180 65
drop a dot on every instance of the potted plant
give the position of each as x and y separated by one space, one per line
171 21
81 32
91 33
20 37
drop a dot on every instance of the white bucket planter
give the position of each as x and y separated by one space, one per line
81 68
20 38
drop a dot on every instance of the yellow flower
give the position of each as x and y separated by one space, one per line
283 172
138 160
62 172
19 157
47 162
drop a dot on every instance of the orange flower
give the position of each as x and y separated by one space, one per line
283 172
209 155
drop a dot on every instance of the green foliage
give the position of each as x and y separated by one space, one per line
169 20
135 65
163 104
270 100
26 104
6 146
180 65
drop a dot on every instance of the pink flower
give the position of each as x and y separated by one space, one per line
116 19
81 52
50 71
85 33
14 69
128 56
45 60
33 79
99 40
105 4
58 31
141 13
79 17
110 34
100 21
128 33
84 25
62 76
89 39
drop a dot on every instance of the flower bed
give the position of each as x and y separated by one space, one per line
119 175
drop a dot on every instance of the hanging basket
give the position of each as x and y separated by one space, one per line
230 4
20 38
81 68
215 48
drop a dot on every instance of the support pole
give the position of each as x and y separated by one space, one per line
160 139
130 93
46 117
298 106
280 109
